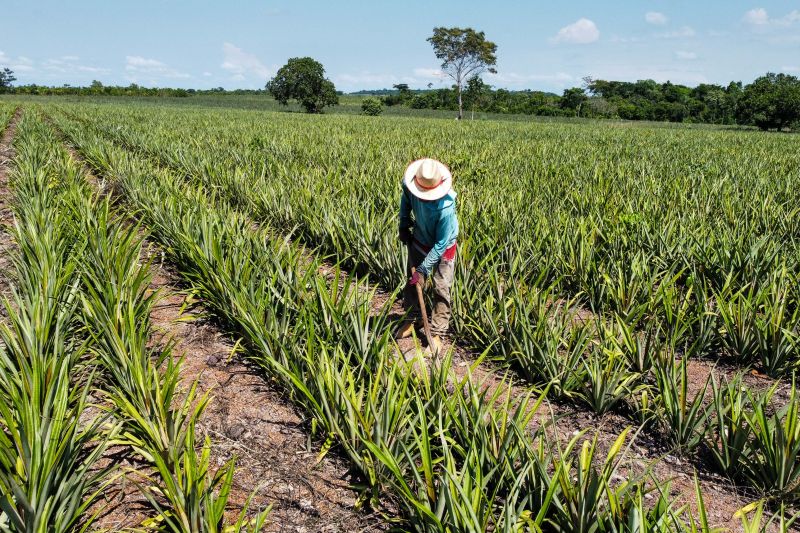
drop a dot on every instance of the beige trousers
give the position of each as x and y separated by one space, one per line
442 280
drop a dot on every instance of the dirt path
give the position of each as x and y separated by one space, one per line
7 154
247 419
254 422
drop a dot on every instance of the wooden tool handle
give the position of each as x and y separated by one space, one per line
425 324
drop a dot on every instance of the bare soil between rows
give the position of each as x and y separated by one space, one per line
252 420
7 154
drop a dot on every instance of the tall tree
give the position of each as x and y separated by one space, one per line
464 53
7 78
303 79
404 92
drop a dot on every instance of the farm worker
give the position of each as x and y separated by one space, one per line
428 227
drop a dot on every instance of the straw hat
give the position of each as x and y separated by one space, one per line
428 179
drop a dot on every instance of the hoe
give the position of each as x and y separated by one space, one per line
426 327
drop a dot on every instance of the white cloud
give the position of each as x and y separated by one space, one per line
206 74
139 62
362 79
17 64
69 64
53 68
515 80
681 33
759 17
654 17
243 64
55 62
619 39
682 54
23 64
428 73
137 66
660 74
791 18
92 70
582 31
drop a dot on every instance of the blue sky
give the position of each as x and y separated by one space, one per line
541 45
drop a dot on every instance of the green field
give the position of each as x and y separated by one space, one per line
642 276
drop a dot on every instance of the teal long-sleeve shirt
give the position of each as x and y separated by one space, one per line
435 224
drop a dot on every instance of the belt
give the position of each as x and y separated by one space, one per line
448 255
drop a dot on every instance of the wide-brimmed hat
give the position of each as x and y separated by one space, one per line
428 179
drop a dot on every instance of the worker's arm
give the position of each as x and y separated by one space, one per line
445 235
405 208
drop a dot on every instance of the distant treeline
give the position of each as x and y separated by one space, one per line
770 102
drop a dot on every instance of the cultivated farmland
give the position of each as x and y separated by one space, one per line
625 332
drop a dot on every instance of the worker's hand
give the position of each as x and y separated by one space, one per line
417 278
405 236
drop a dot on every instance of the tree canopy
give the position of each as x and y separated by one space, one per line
7 79
303 79
372 106
464 53
771 102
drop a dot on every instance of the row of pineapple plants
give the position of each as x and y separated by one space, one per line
464 461
6 113
48 454
613 367
77 376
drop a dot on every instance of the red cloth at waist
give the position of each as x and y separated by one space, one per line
448 255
